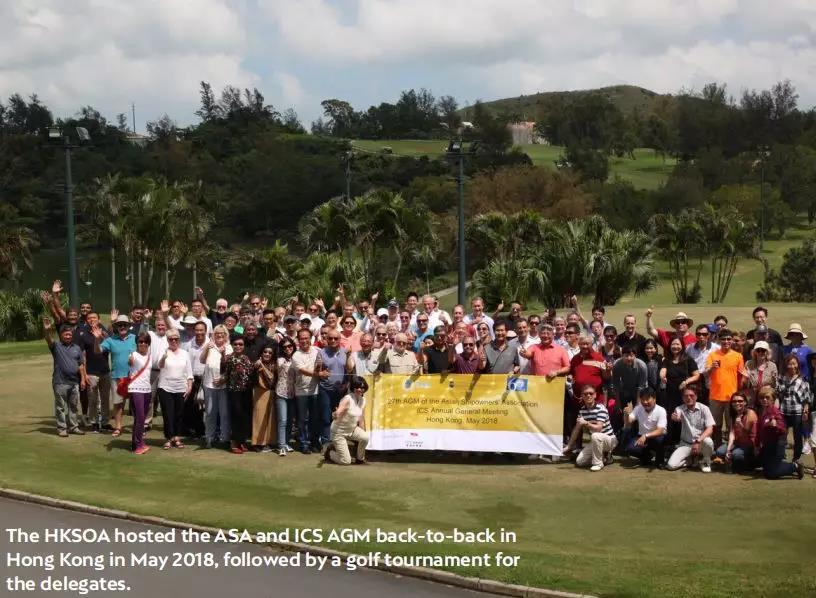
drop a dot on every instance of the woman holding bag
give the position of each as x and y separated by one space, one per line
139 390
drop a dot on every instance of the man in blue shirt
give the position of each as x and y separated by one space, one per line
68 377
120 345
332 373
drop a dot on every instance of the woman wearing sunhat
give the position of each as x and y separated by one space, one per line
759 371
797 346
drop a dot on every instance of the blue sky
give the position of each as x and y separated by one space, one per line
107 53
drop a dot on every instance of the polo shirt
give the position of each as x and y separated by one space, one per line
463 365
694 421
524 363
501 361
119 349
700 356
649 421
437 360
96 364
67 359
598 414
723 381
421 337
547 358
637 341
305 385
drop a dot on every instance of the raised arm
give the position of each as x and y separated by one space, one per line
48 332
649 325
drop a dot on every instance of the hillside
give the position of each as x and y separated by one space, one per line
626 97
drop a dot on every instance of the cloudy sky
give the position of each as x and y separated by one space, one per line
109 53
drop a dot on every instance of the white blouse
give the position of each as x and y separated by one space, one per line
176 371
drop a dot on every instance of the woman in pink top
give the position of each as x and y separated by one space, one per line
772 438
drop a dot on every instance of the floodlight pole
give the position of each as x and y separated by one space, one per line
462 269
73 281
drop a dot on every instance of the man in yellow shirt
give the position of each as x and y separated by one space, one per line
724 371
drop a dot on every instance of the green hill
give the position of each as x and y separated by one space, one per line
626 97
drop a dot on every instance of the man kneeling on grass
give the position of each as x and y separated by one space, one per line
695 436
652 423
594 418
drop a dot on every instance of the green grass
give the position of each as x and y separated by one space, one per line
644 533
646 171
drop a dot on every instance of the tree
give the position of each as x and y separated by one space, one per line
448 109
291 122
590 164
796 278
340 117
209 110
727 238
16 243
680 242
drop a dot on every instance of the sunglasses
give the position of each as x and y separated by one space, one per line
702 334
173 339
237 344
382 334
468 344
422 321
142 343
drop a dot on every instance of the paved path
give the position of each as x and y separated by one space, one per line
224 582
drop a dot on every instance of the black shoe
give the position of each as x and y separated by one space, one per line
306 451
800 469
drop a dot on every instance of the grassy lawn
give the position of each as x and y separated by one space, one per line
646 533
646 171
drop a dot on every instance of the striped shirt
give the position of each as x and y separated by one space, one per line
598 414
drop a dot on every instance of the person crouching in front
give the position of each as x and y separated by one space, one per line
594 418
348 425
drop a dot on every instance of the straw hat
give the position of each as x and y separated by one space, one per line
761 345
122 319
795 328
681 315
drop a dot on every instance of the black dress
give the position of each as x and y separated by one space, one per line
671 396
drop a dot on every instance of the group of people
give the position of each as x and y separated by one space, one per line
255 377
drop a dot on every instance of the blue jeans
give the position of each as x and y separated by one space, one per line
216 414
653 446
742 458
286 413
308 421
328 401
773 460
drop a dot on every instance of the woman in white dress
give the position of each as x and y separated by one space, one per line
348 425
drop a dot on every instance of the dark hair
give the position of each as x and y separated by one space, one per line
229 315
647 393
732 414
627 350
702 327
612 328
721 317
652 342
759 308
143 336
268 311
202 323
599 308
693 388
440 329
724 332
65 327
573 328
500 324
306 331
412 294
358 382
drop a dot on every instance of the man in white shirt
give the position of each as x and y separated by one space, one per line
158 347
699 351
652 422
478 315
525 341
197 310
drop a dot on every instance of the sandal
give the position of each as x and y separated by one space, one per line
167 445
178 444
116 432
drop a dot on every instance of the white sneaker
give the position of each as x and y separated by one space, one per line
596 468
289 449
282 452
705 468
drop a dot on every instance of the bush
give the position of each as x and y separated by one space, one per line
21 315
795 280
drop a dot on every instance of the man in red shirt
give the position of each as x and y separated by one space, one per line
546 358
681 323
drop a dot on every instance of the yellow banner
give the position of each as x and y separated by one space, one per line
466 412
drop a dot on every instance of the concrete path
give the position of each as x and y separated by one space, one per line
185 582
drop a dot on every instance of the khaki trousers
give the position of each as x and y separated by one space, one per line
340 453
599 445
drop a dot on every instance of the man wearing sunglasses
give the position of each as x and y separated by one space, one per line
680 323
119 345
699 352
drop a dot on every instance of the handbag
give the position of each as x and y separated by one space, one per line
122 385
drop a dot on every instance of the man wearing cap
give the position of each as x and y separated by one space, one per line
393 314
681 323
290 329
187 332
723 371
760 315
120 345
797 336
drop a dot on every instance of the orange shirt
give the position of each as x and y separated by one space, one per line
723 381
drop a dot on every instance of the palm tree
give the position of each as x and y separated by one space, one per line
16 243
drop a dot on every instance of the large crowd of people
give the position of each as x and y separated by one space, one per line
251 376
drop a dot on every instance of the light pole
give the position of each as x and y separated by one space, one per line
456 152
73 280
763 155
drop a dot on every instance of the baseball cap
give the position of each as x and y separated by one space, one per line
393 303
382 312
